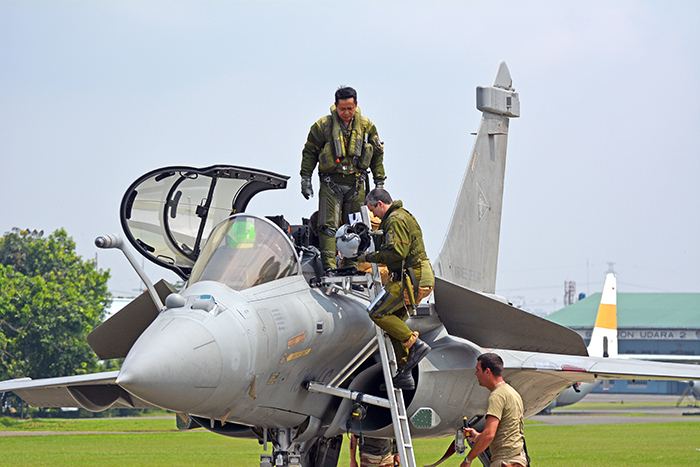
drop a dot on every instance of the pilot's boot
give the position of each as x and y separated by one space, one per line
403 381
417 350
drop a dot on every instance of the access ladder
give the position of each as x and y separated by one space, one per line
402 431
394 401
371 285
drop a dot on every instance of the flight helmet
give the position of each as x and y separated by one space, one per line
352 240
241 235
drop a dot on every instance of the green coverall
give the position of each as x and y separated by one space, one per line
343 154
402 250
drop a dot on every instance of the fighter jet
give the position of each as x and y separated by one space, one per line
603 343
239 349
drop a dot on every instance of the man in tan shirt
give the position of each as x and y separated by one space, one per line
504 418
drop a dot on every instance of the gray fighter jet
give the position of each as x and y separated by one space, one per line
234 351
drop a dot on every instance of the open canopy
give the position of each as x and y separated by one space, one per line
167 214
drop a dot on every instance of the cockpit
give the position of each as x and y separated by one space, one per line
191 220
244 251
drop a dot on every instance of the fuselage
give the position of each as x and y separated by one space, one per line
238 344
246 358
243 357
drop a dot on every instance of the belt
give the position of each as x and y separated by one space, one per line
397 272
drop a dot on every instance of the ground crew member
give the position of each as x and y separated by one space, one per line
374 452
344 144
503 432
411 279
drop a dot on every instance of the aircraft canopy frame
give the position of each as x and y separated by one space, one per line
168 213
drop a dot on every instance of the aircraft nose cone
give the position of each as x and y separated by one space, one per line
175 364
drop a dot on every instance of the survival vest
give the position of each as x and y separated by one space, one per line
334 158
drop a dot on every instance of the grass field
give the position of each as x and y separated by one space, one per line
156 442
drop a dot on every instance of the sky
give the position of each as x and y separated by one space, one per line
603 164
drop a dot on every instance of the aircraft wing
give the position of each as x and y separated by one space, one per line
115 337
614 368
493 324
661 358
94 392
540 377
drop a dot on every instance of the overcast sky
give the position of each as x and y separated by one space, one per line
603 164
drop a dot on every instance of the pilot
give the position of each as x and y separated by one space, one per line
411 279
344 144
366 267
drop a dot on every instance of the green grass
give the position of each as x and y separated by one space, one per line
658 444
135 424
153 449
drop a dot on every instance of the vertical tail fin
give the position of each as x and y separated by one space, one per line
469 252
604 338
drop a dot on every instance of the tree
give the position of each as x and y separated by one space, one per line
50 299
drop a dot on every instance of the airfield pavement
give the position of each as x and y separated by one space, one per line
625 405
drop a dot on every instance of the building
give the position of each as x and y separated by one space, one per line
648 324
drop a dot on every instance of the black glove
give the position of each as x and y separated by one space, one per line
306 188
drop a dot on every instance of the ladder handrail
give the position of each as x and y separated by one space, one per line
394 400
362 356
402 432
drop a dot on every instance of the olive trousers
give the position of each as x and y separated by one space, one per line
334 207
391 316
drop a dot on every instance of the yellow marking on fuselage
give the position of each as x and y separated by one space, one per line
251 389
299 354
223 419
273 378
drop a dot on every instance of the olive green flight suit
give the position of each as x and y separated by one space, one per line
403 252
343 154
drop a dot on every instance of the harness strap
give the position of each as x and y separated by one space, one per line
414 281
331 184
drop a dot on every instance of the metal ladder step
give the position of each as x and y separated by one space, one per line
394 401
372 284
402 432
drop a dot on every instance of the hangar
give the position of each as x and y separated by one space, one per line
648 324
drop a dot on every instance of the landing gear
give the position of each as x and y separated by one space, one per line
316 452
280 459
284 452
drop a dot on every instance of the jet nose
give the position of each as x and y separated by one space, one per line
175 364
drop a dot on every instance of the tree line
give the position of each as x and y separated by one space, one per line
50 299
